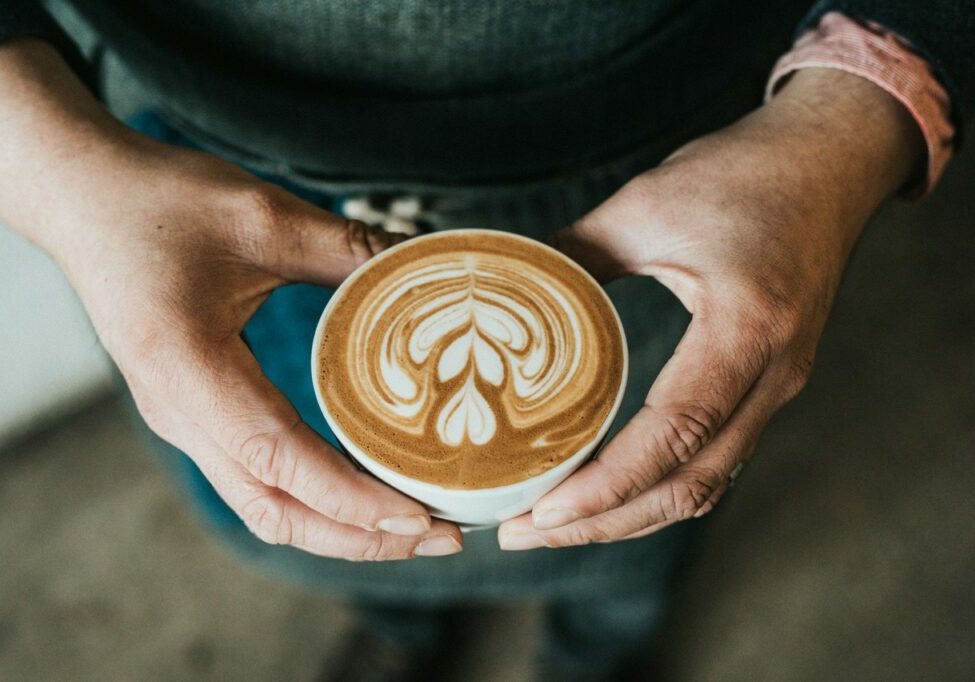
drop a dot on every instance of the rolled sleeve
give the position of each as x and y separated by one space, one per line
941 31
868 50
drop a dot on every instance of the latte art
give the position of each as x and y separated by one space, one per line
478 320
470 361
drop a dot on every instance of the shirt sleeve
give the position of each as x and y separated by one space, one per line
887 60
28 19
941 31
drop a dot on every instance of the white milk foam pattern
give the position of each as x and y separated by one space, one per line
485 320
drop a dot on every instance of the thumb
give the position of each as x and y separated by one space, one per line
312 245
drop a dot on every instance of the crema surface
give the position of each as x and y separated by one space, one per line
471 360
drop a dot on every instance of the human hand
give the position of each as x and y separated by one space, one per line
750 228
171 251
180 249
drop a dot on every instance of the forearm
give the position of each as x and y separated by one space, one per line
56 135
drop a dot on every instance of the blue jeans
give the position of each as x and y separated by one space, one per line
605 601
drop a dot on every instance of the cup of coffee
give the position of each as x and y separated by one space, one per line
473 370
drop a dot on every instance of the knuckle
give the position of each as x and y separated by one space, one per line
687 496
772 311
600 533
153 386
381 548
775 291
265 222
334 506
686 430
264 455
576 535
153 357
622 487
265 205
615 494
359 240
265 517
783 329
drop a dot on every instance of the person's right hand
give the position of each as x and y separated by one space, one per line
172 252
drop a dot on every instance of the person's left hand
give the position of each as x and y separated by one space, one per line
750 228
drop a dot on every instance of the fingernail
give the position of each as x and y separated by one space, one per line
554 518
515 542
437 545
406 524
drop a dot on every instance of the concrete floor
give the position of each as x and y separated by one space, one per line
847 552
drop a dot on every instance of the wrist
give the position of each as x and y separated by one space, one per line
58 138
862 144
827 150
806 171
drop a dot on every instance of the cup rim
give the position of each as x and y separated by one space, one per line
357 453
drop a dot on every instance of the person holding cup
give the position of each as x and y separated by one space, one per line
636 142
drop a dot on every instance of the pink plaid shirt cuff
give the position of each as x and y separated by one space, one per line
870 51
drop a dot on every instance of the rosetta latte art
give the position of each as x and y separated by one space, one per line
484 323
458 362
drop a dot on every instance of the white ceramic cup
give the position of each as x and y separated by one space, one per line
476 506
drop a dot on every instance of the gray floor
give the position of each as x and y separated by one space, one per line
846 552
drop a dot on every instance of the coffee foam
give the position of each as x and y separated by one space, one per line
470 359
